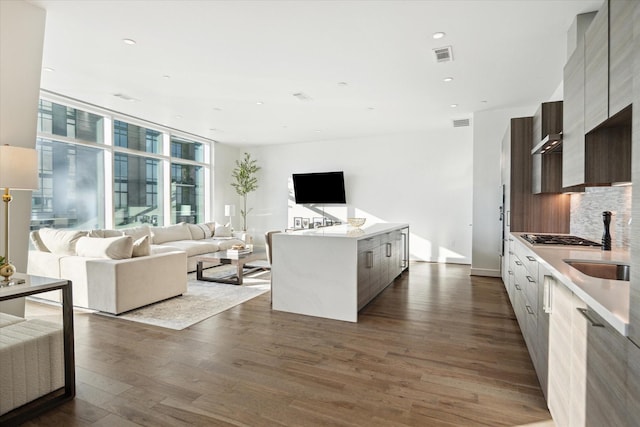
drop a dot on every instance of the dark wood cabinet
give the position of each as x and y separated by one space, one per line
608 151
543 213
547 159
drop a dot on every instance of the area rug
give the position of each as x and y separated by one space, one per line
201 301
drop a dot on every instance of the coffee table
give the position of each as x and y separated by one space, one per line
222 257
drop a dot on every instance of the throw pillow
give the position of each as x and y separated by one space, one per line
108 247
199 231
137 232
61 242
170 233
104 233
36 241
142 247
222 231
211 226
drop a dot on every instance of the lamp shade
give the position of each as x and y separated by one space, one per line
229 210
18 168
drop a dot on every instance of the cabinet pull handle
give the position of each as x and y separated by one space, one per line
529 309
369 259
388 250
518 262
546 293
585 313
518 287
531 279
508 218
530 258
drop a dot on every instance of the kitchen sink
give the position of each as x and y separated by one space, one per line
602 270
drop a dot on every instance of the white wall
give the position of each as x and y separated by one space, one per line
488 130
424 179
21 40
224 158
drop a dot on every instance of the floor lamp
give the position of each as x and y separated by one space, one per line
18 171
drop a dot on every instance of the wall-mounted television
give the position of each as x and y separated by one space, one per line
319 187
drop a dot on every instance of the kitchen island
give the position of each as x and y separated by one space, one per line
333 272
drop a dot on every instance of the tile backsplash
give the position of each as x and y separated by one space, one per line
586 214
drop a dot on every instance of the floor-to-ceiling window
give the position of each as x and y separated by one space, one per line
187 180
71 186
99 169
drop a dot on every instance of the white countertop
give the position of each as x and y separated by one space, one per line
608 298
347 231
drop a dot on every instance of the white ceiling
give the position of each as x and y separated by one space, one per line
223 57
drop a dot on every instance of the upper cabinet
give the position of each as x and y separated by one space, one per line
598 97
596 70
573 120
547 150
620 54
608 62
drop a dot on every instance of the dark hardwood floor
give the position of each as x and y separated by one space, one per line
437 348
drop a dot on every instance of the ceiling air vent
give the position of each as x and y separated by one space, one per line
461 123
124 97
302 96
443 54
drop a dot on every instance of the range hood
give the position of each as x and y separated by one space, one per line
551 143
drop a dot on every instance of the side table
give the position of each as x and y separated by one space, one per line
35 285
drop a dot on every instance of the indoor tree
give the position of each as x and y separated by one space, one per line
245 181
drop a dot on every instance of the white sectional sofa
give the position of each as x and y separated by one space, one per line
119 270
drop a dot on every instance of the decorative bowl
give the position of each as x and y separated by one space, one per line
356 222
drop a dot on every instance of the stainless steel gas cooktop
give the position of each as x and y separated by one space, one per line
558 239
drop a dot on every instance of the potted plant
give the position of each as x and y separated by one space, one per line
245 181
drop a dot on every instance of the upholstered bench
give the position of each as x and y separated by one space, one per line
31 360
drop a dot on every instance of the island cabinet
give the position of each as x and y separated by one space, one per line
333 272
379 263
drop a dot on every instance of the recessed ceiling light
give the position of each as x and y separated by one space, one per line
343 84
483 101
129 41
447 79
213 129
166 76
217 109
178 117
318 130
48 69
259 103
438 35
453 105
371 108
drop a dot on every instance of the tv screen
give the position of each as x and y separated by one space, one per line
322 187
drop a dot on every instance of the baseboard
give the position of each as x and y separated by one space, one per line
487 272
